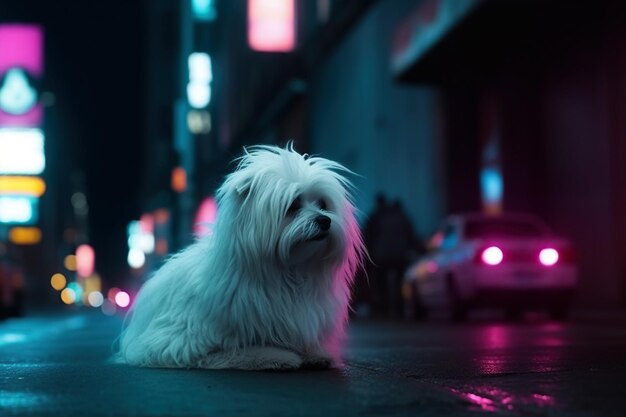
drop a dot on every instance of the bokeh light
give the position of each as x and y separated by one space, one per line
95 299
58 281
78 291
85 259
122 299
108 308
136 258
68 296
112 293
70 263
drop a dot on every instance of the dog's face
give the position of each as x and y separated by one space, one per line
289 208
311 229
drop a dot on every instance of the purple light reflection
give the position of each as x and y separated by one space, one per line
493 399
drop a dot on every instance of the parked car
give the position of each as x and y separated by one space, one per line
510 261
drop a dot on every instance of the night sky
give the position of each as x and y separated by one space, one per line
94 58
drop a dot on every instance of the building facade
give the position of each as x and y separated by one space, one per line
429 100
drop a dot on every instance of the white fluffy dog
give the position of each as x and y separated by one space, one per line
270 287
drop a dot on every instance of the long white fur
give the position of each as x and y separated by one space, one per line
259 292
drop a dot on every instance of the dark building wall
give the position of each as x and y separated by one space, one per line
388 133
577 95
462 136
554 81
159 87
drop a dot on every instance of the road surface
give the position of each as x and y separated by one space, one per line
56 364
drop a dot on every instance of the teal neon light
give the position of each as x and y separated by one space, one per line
17 96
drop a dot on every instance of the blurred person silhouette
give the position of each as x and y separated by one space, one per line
391 240
364 296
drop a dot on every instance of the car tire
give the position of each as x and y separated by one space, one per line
458 307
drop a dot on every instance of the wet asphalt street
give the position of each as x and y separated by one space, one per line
56 365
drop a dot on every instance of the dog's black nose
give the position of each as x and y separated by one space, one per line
323 222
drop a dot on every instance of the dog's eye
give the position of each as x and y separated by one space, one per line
295 206
321 203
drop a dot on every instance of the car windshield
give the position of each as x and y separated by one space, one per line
504 228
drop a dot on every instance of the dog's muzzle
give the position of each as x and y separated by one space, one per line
323 224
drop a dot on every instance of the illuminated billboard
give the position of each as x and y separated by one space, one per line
18 209
200 77
272 25
204 10
22 155
22 151
21 64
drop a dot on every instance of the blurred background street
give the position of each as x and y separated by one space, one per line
490 148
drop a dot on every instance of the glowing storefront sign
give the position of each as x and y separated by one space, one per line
18 209
34 186
17 96
22 151
25 235
271 25
200 77
204 10
22 46
21 59
21 138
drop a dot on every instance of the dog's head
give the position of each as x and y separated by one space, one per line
290 208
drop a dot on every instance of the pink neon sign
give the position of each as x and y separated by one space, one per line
21 46
21 55
271 25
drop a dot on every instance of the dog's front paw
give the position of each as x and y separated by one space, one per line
254 358
276 359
